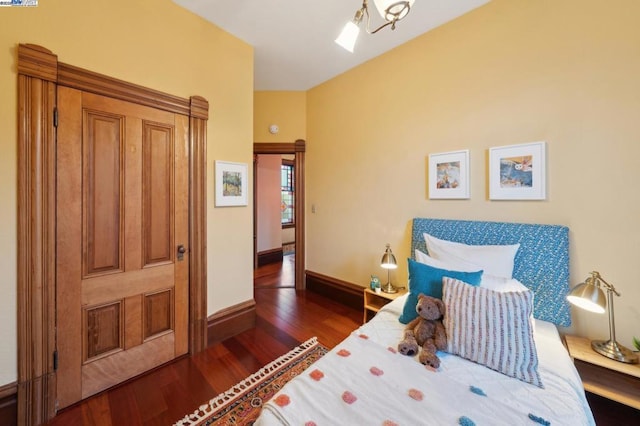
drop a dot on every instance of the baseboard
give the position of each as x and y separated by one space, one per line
270 256
9 404
231 321
341 291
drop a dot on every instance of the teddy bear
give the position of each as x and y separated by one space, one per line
426 331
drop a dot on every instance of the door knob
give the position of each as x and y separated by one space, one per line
181 251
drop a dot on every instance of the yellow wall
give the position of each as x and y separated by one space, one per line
157 44
565 72
286 109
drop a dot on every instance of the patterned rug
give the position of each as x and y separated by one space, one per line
241 404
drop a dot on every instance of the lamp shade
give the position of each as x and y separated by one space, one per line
388 259
393 9
348 36
588 296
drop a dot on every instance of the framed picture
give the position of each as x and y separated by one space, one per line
449 175
231 184
517 172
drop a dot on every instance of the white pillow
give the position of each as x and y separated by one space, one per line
491 328
495 260
449 264
502 284
489 281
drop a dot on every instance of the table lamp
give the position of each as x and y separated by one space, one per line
388 262
589 295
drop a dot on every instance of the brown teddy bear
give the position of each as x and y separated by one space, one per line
426 331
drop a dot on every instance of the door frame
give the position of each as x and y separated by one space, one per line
39 75
298 149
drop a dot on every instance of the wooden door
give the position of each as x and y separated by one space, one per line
122 215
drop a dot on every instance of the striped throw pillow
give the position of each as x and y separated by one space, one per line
491 328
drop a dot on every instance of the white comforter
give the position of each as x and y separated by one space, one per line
362 382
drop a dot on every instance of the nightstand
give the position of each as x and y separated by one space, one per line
373 301
602 376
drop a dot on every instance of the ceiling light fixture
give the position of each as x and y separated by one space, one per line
391 11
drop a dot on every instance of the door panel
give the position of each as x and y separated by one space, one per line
157 204
158 315
122 189
103 330
103 180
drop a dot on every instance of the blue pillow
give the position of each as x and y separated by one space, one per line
428 280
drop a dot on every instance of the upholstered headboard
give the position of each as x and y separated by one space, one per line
542 261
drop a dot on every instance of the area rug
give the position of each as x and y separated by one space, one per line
241 404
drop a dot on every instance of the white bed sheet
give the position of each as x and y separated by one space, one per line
562 401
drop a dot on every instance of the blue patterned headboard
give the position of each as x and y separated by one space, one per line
542 261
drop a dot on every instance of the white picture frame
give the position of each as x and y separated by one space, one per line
449 175
518 172
231 184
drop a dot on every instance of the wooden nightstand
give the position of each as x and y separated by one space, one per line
611 379
373 301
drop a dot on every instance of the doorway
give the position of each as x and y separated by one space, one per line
297 149
275 221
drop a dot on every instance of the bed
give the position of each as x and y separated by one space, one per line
364 380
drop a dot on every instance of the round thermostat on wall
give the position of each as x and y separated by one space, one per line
273 129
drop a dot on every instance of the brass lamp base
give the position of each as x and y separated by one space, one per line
612 349
389 288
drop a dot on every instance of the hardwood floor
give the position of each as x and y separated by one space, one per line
285 318
276 275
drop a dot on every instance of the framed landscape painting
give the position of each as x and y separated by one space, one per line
231 184
517 172
449 175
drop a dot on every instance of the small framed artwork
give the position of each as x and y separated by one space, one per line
517 172
449 175
231 184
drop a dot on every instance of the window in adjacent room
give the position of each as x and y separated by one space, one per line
288 219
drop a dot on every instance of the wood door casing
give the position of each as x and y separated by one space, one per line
298 148
122 193
39 75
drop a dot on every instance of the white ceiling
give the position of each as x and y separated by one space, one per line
293 40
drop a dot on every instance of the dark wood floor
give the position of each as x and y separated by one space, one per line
276 275
285 318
